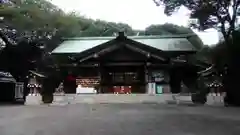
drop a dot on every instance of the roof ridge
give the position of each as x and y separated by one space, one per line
89 38
163 36
133 37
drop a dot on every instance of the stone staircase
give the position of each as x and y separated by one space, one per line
113 98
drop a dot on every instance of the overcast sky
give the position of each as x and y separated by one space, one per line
137 13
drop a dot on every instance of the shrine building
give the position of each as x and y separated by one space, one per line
126 64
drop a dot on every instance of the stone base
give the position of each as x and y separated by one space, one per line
33 100
59 98
59 94
215 100
63 99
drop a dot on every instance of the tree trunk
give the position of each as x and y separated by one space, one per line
231 82
49 85
198 90
196 85
231 86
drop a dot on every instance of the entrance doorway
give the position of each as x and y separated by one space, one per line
122 89
123 80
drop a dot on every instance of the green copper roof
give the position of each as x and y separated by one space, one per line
168 44
77 46
165 43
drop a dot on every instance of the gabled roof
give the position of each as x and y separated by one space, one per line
208 71
37 74
6 77
164 43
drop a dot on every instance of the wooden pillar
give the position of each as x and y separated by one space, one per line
99 90
175 80
146 77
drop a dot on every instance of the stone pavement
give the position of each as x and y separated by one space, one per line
119 119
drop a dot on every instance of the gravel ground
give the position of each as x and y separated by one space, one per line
119 119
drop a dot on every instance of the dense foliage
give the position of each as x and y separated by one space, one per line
222 15
40 20
210 13
167 29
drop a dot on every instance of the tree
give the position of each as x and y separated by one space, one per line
222 15
210 13
41 20
19 59
167 29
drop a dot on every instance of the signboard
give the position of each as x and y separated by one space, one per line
151 88
19 90
159 89
88 82
159 76
82 90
